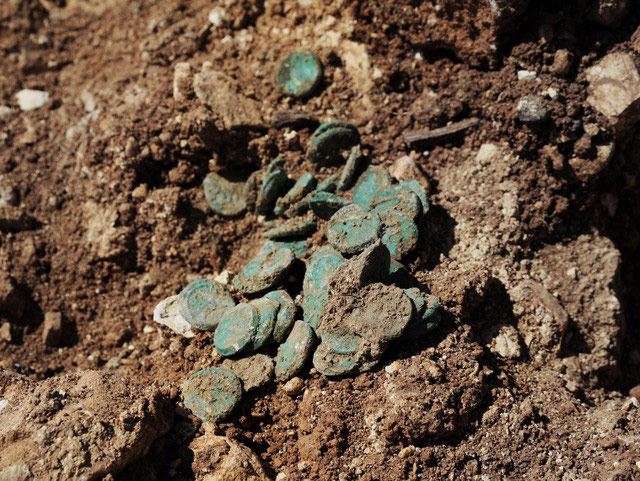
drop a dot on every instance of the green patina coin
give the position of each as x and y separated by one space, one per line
212 393
237 329
419 190
400 276
274 183
224 197
286 314
329 140
320 267
299 74
267 314
305 184
297 247
203 302
427 319
400 233
264 271
332 363
349 170
295 351
329 184
325 204
351 230
374 180
397 198
291 228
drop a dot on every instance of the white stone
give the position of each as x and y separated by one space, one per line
31 99
223 277
5 110
167 314
526 75
614 90
217 16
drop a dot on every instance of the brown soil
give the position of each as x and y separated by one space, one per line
532 242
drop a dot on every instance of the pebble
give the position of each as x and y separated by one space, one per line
237 330
349 170
203 302
52 329
254 371
532 109
299 75
374 180
405 168
286 314
6 332
325 204
316 294
267 313
295 351
330 139
182 82
562 62
224 197
305 184
212 393
264 271
29 99
274 183
8 192
352 229
291 228
168 314
294 386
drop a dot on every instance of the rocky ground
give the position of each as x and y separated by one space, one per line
531 242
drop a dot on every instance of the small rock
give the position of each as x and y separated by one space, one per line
286 314
217 16
31 99
182 82
506 343
254 371
237 329
562 61
531 109
265 270
614 90
405 168
609 13
12 300
526 75
295 351
203 302
217 91
299 75
167 313
330 139
217 458
212 393
294 386
52 332
291 228
223 196
8 193
6 332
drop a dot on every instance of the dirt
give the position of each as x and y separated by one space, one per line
531 241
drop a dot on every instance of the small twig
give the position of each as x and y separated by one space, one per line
440 133
292 118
